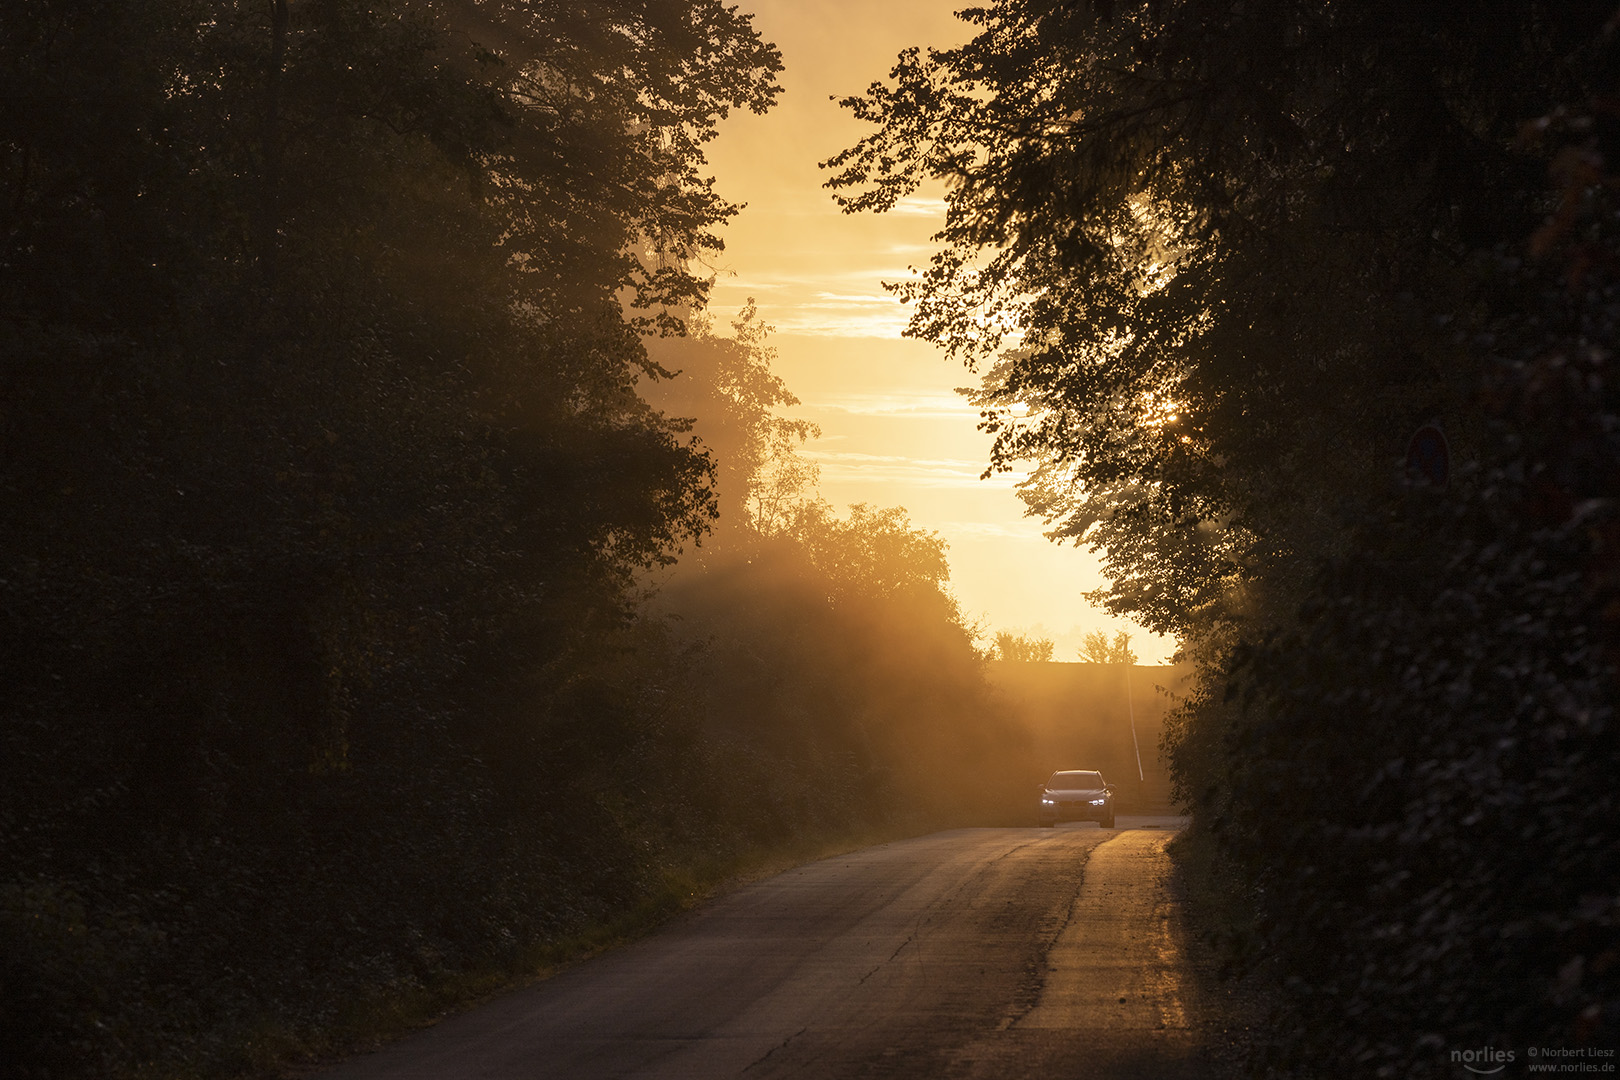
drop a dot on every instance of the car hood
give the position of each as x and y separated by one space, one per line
1075 793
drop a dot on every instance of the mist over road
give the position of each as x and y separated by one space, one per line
977 953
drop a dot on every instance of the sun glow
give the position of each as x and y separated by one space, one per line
895 432
1152 240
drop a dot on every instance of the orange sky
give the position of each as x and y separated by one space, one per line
894 432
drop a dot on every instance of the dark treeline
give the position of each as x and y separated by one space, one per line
1250 250
330 684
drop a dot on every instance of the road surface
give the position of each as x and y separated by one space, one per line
978 953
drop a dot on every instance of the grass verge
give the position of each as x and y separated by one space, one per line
1223 947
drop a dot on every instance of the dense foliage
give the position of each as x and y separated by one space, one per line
326 490
336 475
1217 262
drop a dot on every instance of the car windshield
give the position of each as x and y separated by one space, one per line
1074 781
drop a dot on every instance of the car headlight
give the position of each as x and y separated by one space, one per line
1047 800
1098 802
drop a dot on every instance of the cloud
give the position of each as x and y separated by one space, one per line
751 286
844 466
834 303
995 530
837 299
911 405
843 323
811 321
919 206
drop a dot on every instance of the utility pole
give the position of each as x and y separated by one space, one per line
1131 709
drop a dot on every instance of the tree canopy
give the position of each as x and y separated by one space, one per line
327 489
1199 251
1215 264
1011 646
1098 649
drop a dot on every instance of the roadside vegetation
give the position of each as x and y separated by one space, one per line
1228 274
382 618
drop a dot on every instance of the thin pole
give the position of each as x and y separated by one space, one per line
1132 708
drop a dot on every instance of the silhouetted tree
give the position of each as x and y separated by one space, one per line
725 388
326 487
1098 649
1215 263
1011 646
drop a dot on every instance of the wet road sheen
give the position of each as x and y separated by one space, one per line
977 953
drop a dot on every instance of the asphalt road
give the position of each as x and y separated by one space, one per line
978 953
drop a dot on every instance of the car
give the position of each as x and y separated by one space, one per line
1076 795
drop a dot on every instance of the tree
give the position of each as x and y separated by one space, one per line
327 489
725 390
874 554
1097 649
1214 263
1011 646
323 292
1170 250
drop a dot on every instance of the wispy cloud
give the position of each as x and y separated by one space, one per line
919 206
813 321
839 299
752 286
1029 530
836 303
852 467
921 404
867 279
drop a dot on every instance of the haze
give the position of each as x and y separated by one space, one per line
894 432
